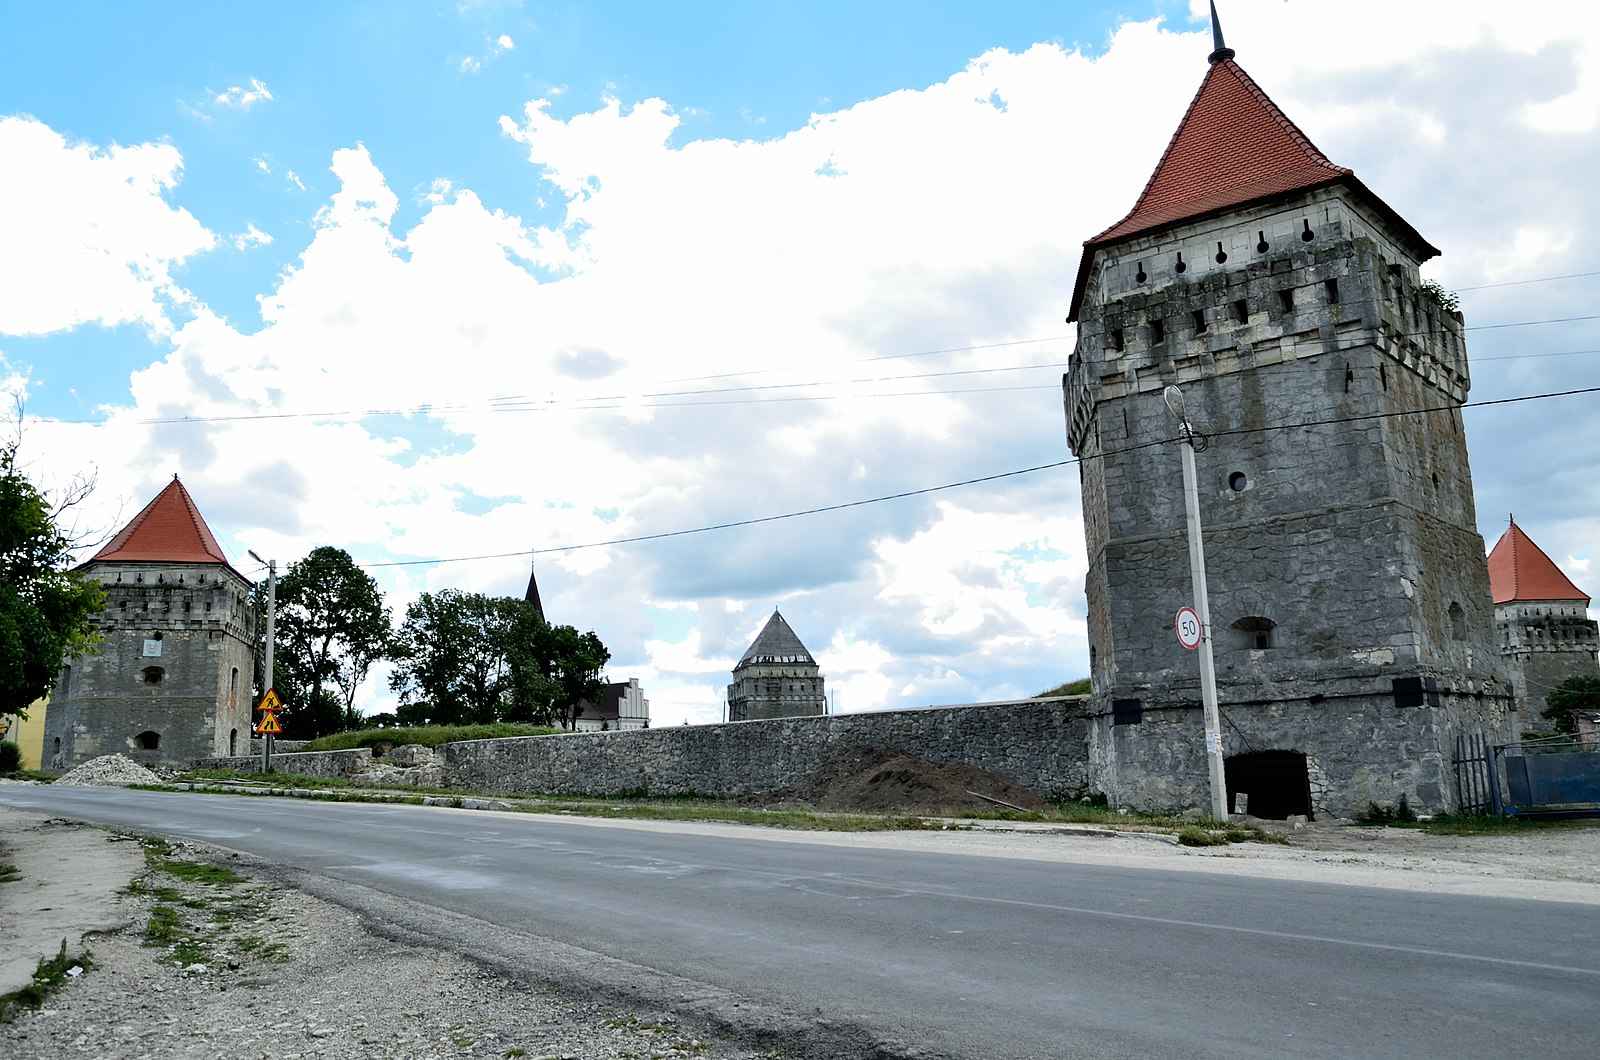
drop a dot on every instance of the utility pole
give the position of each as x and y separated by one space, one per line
1202 604
266 677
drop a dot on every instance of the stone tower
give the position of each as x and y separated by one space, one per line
1351 618
1546 634
170 682
776 678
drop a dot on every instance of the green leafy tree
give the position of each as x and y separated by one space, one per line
332 625
573 661
1570 697
465 658
45 609
450 658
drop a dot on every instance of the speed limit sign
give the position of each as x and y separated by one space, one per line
1188 628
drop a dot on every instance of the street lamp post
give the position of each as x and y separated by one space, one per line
266 678
1202 604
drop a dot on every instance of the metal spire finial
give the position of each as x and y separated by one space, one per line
1220 51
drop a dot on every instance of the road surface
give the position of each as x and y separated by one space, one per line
951 954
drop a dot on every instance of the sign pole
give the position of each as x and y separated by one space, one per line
1197 576
272 607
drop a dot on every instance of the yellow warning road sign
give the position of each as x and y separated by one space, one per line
269 725
270 701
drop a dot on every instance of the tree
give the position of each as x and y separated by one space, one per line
45 609
332 625
1570 697
573 661
450 658
468 658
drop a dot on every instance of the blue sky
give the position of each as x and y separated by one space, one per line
445 280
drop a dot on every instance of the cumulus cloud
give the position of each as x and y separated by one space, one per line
241 98
90 236
251 237
494 48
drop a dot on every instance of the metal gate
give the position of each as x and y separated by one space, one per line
1477 783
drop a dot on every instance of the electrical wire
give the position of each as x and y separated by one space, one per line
611 402
664 535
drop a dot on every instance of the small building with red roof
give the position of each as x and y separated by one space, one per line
1542 619
171 679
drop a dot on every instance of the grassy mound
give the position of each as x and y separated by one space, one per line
426 735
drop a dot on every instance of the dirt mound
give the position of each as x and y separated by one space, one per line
888 779
108 771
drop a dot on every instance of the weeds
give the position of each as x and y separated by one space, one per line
1400 814
51 975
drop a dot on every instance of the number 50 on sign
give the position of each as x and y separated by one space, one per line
1188 628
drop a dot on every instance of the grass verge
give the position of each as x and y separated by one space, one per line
51 976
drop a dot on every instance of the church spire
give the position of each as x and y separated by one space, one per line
1219 51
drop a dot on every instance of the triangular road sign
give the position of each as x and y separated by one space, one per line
270 701
269 725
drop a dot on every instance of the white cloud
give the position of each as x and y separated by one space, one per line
89 234
239 98
251 237
493 48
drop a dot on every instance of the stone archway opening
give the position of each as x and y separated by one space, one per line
1275 785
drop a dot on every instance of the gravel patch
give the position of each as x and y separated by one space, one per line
258 969
108 771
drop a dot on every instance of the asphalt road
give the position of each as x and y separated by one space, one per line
953 955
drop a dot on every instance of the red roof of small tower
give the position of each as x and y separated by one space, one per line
169 530
1519 570
1234 147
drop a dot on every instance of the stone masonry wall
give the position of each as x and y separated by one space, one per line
329 764
1039 743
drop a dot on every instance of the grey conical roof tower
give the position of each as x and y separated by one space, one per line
776 678
777 643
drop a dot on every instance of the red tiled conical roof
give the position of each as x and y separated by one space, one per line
1234 147
169 530
1519 570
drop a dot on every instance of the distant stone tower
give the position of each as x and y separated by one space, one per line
1546 634
776 678
1351 616
170 682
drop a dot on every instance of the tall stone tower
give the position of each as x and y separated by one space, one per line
776 677
1546 634
171 680
1352 625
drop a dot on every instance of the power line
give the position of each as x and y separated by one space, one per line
966 482
609 402
728 526
1536 279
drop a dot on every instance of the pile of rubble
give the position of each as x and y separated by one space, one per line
887 779
108 771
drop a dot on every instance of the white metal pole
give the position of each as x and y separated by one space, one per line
1202 604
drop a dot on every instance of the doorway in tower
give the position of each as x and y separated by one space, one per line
1272 785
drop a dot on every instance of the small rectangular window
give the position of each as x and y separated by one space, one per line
1158 332
1199 321
1286 299
1116 339
1331 287
1241 311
